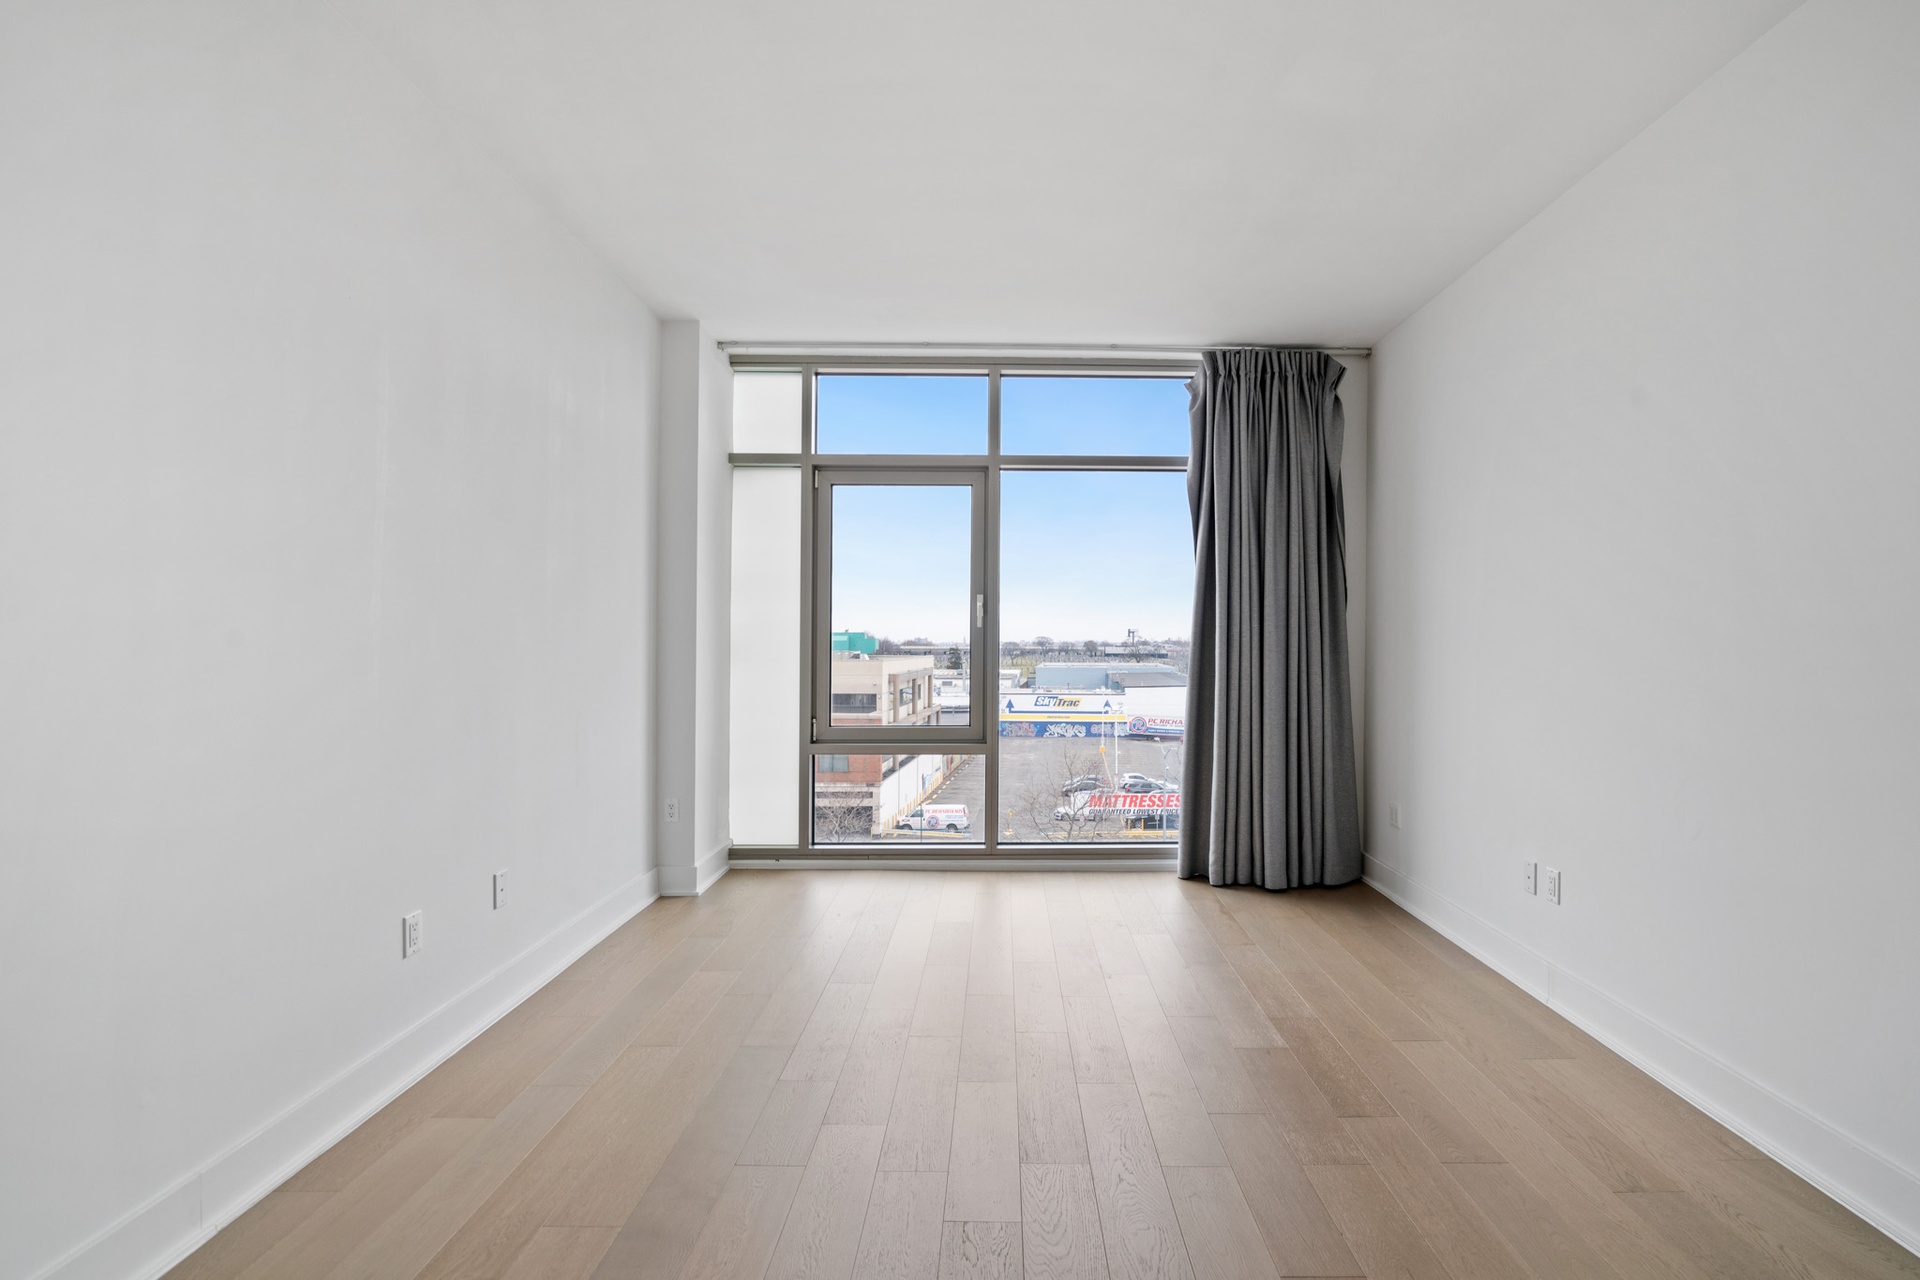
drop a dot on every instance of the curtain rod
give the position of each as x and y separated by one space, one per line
989 350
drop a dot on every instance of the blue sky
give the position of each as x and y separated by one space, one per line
889 413
1084 555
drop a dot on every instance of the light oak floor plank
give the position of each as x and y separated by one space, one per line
1032 933
657 1237
1060 1223
1538 1234
561 1253
1222 1241
821 1238
1443 1213
1173 983
980 1251
1437 1121
1037 1004
595 1050
1099 1050
906 1215
941 1009
829 1032
1586 1203
1705 1237
1228 999
1376 1229
1301 1237
1813 1224
1052 1074
330 1232
1048 1096
1271 992
1181 1131
983 1172
863 1093
745 1225
1219 1076
919 1134
609 1186
408 1239
1137 1219
250 1235
788 1123
1300 1111
986 1038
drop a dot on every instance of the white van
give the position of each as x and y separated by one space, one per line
934 817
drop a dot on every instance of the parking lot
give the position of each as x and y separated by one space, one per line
1032 772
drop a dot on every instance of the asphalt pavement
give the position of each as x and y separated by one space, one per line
1033 771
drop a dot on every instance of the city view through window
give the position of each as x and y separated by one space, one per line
1074 641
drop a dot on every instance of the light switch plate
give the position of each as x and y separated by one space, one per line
499 890
1531 872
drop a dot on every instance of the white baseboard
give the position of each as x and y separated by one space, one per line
950 862
689 882
153 1238
1866 1181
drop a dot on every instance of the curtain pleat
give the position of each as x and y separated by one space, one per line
1270 790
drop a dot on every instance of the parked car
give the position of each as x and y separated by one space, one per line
935 817
1078 808
1085 782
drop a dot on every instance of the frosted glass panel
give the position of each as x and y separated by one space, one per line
764 718
766 411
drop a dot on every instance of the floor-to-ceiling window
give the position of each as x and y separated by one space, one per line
961 603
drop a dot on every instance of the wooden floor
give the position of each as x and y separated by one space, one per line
943 1074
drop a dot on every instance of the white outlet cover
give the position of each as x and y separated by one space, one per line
409 934
1553 886
1393 816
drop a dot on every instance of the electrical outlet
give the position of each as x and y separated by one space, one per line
673 810
1553 886
499 890
1531 872
409 934
1393 816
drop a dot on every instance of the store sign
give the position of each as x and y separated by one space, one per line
1157 727
1152 800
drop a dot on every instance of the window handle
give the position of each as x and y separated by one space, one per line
980 610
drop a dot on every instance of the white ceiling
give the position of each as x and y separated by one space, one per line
1220 171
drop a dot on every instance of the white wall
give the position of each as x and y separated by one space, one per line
325 558
713 609
695 539
1646 599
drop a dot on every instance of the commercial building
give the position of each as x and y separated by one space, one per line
883 689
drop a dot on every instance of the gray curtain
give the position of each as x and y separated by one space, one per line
1270 794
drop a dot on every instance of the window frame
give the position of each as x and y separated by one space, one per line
980 736
826 477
